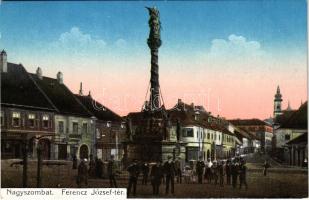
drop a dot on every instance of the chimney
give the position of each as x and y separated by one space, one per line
89 93
39 73
192 105
81 89
3 62
179 101
60 77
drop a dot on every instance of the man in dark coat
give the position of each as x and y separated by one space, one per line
156 175
266 166
111 171
228 168
98 168
200 165
74 162
133 170
145 171
91 170
178 170
243 175
169 170
82 173
221 173
234 171
215 172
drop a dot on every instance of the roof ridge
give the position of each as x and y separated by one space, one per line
90 113
47 98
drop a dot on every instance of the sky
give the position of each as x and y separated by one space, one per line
228 56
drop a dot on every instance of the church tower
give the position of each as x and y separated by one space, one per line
277 103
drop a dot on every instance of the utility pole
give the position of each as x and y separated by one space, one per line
39 167
25 160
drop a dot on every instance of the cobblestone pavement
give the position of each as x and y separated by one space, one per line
280 182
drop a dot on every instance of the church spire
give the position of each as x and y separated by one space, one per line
289 106
277 103
81 89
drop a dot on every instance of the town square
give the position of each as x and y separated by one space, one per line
202 99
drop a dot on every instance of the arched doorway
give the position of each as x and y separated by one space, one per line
83 152
208 154
45 147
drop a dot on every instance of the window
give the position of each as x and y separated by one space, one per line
219 137
84 128
31 120
45 122
2 118
187 132
61 127
216 136
287 137
16 118
75 127
208 136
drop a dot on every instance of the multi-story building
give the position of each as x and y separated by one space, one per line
27 116
260 129
74 124
110 128
291 127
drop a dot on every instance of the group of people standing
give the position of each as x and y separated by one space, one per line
159 173
214 172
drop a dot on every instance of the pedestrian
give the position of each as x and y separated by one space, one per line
133 170
74 166
178 171
200 165
145 170
91 170
243 174
234 172
228 168
169 170
188 174
221 173
214 170
112 171
98 168
156 176
266 166
82 174
208 170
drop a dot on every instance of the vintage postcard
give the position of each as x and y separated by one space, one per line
154 99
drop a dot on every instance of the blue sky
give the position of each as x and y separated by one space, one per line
206 44
276 24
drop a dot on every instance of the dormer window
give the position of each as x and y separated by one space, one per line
16 119
31 120
45 121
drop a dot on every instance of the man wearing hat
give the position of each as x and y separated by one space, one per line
133 170
156 175
82 173
200 165
112 170
169 170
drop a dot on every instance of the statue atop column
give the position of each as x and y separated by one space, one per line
154 42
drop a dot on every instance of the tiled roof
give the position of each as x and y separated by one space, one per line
298 120
286 114
19 90
248 122
300 139
63 99
97 109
